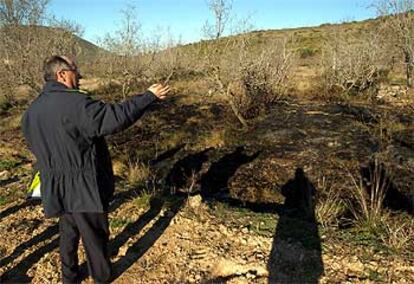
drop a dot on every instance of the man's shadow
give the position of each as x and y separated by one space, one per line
214 183
296 255
184 174
141 246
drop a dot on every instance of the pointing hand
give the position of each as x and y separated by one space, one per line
159 91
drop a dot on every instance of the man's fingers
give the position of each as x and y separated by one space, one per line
165 90
159 90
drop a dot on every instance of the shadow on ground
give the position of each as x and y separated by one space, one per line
296 251
14 209
214 183
18 274
296 255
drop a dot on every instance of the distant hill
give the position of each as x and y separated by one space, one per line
86 50
309 39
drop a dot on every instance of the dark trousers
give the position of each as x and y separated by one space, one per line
94 230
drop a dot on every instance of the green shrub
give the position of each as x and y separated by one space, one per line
306 52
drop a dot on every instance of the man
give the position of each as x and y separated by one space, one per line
65 130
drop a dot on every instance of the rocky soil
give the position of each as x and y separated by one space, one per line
215 208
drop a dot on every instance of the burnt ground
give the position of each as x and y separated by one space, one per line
218 205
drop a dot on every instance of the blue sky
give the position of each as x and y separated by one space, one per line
185 18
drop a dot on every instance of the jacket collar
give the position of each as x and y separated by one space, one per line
54 86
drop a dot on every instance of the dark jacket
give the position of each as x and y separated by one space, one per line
65 130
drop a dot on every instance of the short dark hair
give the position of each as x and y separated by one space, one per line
54 64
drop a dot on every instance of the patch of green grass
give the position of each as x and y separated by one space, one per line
305 52
5 105
3 200
400 81
143 201
8 164
375 276
260 223
119 222
364 237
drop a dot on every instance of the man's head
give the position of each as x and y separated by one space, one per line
62 69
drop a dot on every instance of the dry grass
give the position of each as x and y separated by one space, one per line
137 173
171 140
11 122
398 236
329 206
368 196
119 168
214 139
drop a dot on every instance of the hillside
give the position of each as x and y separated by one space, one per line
87 50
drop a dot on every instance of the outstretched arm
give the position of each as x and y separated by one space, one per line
101 119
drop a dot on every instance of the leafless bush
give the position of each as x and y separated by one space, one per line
22 51
221 10
121 62
250 79
134 58
162 56
22 12
398 27
24 44
121 73
354 65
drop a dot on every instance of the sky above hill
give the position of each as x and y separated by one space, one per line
185 18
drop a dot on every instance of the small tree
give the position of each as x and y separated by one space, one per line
22 12
162 58
125 40
398 20
23 50
353 64
124 45
221 10
250 80
24 44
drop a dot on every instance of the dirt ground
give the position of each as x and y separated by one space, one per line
185 243
236 224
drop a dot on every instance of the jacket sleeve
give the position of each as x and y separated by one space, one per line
101 119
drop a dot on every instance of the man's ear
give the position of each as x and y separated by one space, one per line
60 76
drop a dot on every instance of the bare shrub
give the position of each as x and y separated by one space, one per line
353 65
249 79
398 28
25 43
162 56
134 59
121 62
221 10
22 12
22 51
